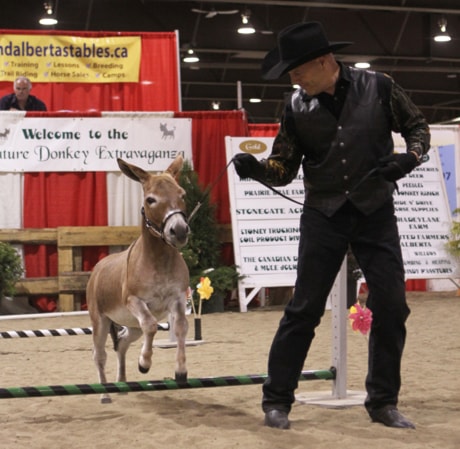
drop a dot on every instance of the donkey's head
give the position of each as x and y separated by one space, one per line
164 206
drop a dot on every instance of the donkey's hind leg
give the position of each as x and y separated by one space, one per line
180 330
101 328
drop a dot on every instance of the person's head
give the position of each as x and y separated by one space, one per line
22 87
316 76
303 51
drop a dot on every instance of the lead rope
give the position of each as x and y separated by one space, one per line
208 190
211 186
278 192
424 158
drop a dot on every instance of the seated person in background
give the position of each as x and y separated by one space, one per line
21 100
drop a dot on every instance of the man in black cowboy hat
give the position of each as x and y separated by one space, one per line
338 125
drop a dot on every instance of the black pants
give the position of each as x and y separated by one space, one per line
374 240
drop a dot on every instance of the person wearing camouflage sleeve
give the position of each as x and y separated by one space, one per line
338 126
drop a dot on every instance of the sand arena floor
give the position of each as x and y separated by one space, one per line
230 417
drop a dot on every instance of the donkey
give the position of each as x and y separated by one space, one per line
129 292
167 132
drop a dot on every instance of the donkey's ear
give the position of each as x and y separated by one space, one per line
131 171
175 167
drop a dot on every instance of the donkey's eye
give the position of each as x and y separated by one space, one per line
151 200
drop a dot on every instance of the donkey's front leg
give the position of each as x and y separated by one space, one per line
180 330
148 324
125 337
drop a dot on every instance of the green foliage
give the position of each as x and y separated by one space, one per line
202 253
453 244
10 269
203 248
223 279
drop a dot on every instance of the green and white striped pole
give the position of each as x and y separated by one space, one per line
153 385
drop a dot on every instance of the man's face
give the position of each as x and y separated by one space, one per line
21 89
310 76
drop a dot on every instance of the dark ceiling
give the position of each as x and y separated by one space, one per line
394 35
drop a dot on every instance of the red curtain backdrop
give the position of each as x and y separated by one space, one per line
61 199
263 130
209 129
209 158
417 285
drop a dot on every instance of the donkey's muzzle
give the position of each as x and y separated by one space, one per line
180 234
176 229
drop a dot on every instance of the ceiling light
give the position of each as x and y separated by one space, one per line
48 19
246 27
215 105
255 100
362 65
191 56
443 35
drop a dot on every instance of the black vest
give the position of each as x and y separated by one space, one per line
339 154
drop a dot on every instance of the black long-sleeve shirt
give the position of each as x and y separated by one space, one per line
405 118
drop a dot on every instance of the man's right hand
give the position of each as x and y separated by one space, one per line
397 165
247 166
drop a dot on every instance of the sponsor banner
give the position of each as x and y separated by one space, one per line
92 143
70 59
424 221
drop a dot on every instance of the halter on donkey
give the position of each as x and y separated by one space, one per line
128 293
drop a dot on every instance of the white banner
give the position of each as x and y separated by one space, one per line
58 144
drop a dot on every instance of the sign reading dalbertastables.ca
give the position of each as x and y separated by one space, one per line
57 144
266 226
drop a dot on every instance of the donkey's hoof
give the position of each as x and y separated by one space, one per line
106 400
143 369
181 378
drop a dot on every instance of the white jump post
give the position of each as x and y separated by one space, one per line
339 332
340 397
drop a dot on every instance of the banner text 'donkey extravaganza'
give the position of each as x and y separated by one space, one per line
92 144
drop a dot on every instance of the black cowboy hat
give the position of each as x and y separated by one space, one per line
297 44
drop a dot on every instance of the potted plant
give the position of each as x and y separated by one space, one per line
453 244
223 280
202 253
10 269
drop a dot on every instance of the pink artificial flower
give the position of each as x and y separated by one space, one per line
361 318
